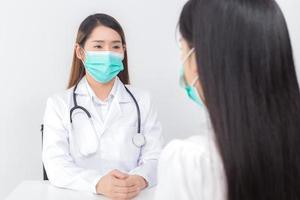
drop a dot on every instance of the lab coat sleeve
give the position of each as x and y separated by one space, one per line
150 152
59 164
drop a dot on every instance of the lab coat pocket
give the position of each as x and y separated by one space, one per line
129 151
121 146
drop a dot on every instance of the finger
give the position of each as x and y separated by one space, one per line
118 174
121 183
125 196
134 188
131 181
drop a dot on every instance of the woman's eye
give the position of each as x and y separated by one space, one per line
116 47
98 47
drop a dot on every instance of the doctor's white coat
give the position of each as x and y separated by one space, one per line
62 155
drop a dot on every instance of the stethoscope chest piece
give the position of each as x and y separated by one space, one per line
139 140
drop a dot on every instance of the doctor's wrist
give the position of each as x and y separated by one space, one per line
98 188
142 182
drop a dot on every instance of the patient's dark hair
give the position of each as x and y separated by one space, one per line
245 64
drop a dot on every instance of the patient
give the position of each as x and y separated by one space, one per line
238 66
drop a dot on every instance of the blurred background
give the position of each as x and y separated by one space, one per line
36 47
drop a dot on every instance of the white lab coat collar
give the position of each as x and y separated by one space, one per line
118 91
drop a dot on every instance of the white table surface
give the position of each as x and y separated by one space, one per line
43 190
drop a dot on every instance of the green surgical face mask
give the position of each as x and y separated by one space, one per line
190 90
103 66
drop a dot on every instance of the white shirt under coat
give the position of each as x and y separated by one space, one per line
63 153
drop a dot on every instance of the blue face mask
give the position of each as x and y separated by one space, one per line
190 90
103 66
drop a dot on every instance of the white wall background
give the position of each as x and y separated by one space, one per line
36 44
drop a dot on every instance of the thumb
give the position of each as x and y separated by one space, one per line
118 174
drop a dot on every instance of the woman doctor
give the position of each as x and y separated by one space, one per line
100 135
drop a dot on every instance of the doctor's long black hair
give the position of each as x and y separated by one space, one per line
85 29
245 64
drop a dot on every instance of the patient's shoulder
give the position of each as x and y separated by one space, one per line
186 166
198 145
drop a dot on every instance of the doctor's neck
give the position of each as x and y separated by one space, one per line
101 90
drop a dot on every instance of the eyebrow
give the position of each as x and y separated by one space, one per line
102 41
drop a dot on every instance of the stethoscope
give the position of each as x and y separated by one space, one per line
138 139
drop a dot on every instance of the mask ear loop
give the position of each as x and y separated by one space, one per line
188 55
184 60
195 80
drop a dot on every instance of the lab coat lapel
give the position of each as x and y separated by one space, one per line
99 124
114 112
85 101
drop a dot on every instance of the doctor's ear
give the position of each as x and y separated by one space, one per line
79 52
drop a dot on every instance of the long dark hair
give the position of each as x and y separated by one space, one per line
246 68
85 29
